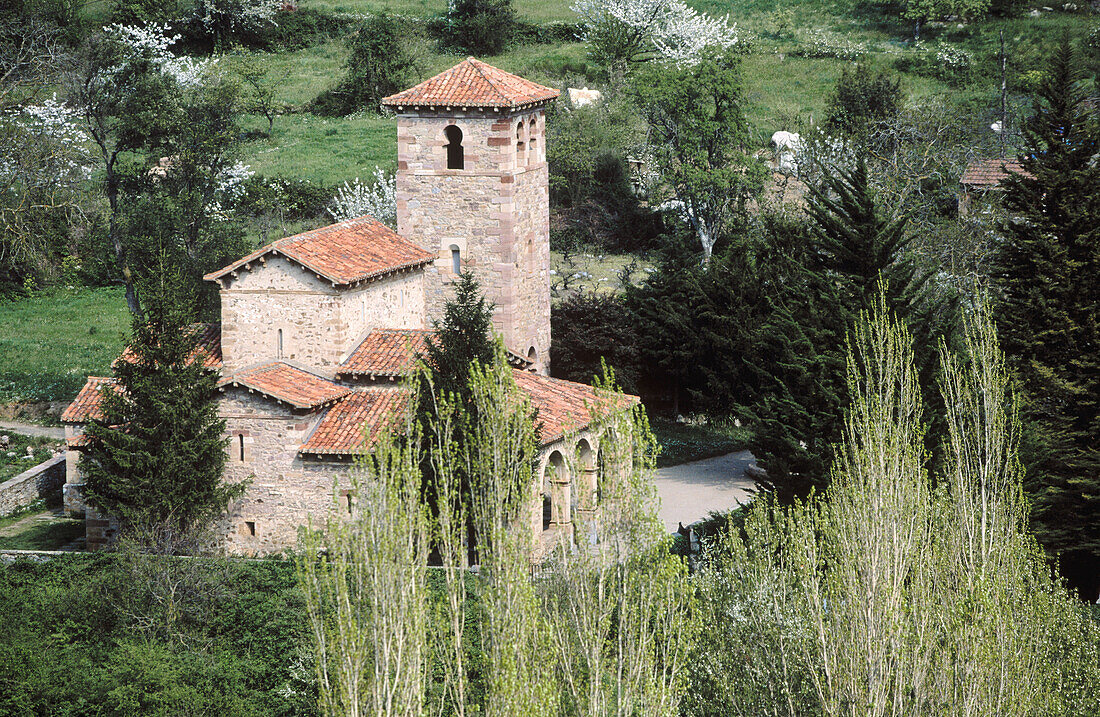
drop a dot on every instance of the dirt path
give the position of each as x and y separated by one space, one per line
691 490
29 429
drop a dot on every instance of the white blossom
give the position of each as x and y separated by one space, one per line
53 129
378 199
668 29
152 42
236 14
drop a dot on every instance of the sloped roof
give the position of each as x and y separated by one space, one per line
355 422
208 347
88 404
287 383
385 352
565 406
990 172
344 253
472 83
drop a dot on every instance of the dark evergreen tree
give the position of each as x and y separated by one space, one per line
589 328
463 337
797 362
1049 317
155 461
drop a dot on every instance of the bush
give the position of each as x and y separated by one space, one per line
378 65
478 27
590 328
289 197
861 98
941 61
819 43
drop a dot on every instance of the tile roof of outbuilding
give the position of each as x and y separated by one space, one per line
88 404
208 346
289 384
385 352
472 83
344 253
355 422
990 172
565 406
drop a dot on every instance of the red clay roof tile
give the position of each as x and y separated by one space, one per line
990 172
208 346
472 83
343 253
565 406
88 404
386 352
355 422
286 383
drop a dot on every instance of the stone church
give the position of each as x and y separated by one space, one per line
318 329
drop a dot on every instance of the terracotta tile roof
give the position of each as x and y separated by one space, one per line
286 383
88 404
355 421
208 346
472 83
385 352
344 253
564 405
990 172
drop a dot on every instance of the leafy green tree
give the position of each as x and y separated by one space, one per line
479 27
1049 316
378 64
700 141
155 461
862 97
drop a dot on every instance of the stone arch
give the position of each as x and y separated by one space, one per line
520 156
556 501
455 152
533 357
586 502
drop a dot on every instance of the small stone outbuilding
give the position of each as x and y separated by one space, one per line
982 181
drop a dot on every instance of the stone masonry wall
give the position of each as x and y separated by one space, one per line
495 210
319 322
285 489
40 481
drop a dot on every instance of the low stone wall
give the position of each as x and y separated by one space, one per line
32 484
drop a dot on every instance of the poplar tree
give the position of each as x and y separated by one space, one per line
1049 316
155 461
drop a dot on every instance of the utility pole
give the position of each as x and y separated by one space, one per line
1004 95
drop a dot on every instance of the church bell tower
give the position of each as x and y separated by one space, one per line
473 189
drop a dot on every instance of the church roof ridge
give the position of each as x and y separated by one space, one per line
473 83
290 383
347 252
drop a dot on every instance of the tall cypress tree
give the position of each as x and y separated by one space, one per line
155 462
1049 317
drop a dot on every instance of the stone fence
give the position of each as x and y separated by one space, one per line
34 483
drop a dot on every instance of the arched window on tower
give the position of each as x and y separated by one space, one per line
520 159
456 259
532 150
455 159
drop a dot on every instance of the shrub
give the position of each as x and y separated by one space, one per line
588 329
292 198
378 65
819 43
478 27
862 97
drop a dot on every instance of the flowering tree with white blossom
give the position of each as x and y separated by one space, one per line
356 199
628 31
223 19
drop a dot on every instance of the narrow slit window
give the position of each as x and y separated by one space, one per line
240 447
279 346
456 259
455 159
351 503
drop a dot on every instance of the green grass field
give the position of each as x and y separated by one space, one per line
49 343
13 459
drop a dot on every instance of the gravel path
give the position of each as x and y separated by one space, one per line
28 429
691 490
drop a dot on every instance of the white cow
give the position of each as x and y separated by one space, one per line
787 147
583 96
